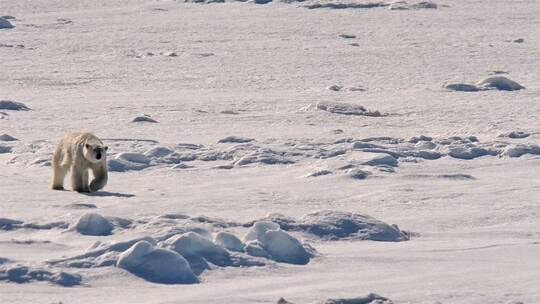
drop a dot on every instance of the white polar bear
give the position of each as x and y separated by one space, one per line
80 152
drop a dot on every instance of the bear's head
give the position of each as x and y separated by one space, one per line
94 152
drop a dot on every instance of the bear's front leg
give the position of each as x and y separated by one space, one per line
100 176
79 179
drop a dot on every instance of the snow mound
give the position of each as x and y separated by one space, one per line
419 138
193 246
377 159
235 139
521 149
462 87
467 152
44 161
128 161
23 274
331 153
9 224
266 239
144 118
356 173
515 134
258 229
264 156
156 265
7 137
229 241
425 154
495 82
93 224
346 109
284 248
5 24
338 225
133 157
158 152
425 145
13 106
100 254
335 87
368 299
318 173
500 83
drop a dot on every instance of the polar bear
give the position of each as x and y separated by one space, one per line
80 152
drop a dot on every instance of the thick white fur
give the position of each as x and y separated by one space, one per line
75 152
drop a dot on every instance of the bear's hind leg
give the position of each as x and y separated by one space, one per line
59 171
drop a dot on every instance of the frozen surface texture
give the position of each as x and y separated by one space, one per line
310 150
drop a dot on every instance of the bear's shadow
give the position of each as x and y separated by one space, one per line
109 194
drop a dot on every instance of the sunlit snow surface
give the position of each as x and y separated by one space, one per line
293 151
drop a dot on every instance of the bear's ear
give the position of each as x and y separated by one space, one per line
105 148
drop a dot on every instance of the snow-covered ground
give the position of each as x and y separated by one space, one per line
261 151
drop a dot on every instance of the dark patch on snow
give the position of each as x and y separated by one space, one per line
339 5
13 106
456 176
403 5
144 118
346 109
462 87
5 24
82 206
515 134
23 274
9 224
521 149
5 149
264 156
7 137
347 36
319 173
235 139
368 299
